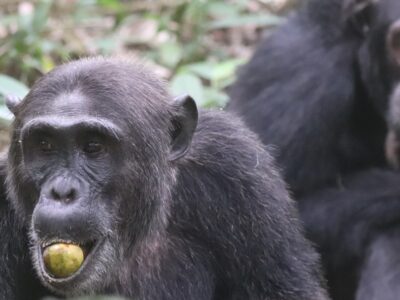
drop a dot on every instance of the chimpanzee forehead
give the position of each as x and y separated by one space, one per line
71 103
100 88
75 103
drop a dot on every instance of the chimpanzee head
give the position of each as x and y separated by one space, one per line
92 163
377 25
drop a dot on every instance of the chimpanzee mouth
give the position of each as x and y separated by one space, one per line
64 260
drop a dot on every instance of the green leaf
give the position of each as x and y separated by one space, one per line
203 69
256 20
187 83
47 63
111 4
7 20
214 98
9 85
5 115
170 54
226 69
25 22
223 10
215 72
41 15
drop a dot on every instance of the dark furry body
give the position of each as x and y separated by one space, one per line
17 278
348 224
220 245
318 90
215 224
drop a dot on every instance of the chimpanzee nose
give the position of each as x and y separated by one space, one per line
61 210
64 189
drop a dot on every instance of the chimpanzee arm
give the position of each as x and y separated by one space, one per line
380 275
344 220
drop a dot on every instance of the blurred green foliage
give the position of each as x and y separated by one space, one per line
183 40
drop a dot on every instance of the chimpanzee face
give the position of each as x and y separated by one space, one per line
377 23
91 168
71 156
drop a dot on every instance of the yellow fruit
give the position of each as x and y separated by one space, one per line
63 260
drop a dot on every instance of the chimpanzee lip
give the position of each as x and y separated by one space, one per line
89 249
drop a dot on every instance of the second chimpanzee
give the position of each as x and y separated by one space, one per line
165 202
321 89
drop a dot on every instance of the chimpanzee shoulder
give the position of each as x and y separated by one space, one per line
17 279
227 185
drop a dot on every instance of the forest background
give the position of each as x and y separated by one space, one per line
196 45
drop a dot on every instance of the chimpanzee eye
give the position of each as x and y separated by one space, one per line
46 146
93 147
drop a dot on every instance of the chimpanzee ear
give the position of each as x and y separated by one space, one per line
184 124
12 103
358 13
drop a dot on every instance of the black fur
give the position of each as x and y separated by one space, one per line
211 221
352 226
324 90
17 279
380 275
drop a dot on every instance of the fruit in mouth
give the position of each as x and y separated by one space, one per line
62 259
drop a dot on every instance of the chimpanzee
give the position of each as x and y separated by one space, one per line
167 202
321 89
